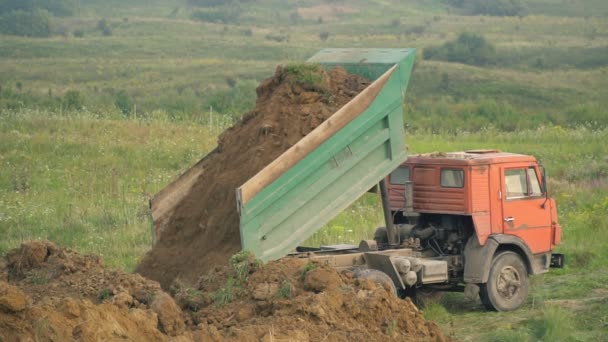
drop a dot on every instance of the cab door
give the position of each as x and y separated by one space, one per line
526 211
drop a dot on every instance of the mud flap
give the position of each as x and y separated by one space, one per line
557 260
384 263
477 260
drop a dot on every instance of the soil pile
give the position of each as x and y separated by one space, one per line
203 230
296 300
49 293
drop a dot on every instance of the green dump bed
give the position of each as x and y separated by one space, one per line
327 170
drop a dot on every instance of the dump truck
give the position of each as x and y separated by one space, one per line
478 221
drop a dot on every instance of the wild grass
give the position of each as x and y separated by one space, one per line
84 182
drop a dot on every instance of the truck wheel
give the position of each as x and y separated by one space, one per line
377 277
507 286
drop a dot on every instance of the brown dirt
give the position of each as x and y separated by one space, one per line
56 294
281 301
204 229
69 296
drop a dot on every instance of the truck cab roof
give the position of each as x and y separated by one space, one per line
469 157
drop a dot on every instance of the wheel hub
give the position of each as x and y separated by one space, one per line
508 282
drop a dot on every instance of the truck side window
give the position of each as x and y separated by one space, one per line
534 183
400 176
515 181
452 178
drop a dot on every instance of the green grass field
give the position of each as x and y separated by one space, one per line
81 172
84 182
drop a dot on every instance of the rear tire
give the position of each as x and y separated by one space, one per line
507 286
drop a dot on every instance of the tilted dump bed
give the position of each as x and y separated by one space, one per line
327 170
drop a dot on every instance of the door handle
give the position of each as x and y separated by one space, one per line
509 219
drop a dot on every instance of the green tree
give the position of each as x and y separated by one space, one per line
468 48
36 23
56 7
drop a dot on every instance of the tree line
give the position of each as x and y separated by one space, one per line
32 18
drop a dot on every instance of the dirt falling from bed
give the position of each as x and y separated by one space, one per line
202 230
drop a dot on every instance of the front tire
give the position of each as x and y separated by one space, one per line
507 286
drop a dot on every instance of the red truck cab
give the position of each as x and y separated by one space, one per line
485 212
502 192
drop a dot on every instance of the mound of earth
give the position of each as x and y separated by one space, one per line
203 229
49 293
52 293
296 300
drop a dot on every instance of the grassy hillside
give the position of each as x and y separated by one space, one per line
551 66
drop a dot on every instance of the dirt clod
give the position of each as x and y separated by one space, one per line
265 291
30 255
333 311
11 298
170 317
56 294
321 279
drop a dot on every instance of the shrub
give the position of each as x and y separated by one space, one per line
73 100
279 38
307 268
103 26
78 33
306 74
104 294
416 29
468 48
324 35
493 8
123 102
226 294
36 23
499 7
237 99
285 290
221 15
